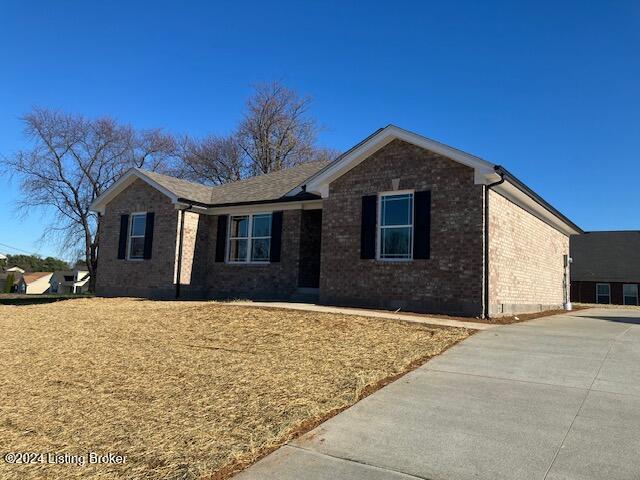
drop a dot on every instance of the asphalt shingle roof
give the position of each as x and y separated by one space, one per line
181 188
606 256
272 186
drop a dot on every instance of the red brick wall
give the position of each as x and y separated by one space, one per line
450 281
147 278
585 291
272 280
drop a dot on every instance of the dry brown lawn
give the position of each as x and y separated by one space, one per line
184 389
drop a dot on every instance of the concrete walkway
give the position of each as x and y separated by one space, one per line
555 398
363 312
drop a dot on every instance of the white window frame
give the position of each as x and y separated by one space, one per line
624 297
250 238
380 227
130 235
598 295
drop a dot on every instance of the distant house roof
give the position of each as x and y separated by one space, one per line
33 276
15 269
262 188
606 256
3 257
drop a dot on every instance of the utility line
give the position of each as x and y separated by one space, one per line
14 248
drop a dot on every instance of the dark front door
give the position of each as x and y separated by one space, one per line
310 241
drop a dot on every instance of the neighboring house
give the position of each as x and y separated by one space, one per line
16 270
35 283
70 281
398 221
606 267
5 274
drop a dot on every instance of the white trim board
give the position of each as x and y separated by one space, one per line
265 207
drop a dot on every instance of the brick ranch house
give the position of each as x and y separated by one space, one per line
398 221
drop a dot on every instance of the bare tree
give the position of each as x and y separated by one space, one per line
277 131
212 160
71 161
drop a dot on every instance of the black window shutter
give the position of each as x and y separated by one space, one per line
422 225
221 238
368 227
276 236
148 236
122 241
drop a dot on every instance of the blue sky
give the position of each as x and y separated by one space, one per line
550 90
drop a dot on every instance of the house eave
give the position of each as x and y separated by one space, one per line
485 173
319 182
515 194
314 204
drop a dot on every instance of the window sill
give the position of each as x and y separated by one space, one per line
248 264
394 260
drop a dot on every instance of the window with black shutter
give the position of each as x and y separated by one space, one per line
368 227
422 225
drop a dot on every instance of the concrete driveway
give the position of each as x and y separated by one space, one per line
554 398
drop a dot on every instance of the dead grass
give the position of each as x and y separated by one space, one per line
184 389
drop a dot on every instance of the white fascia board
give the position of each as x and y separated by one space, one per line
99 204
524 201
319 183
193 208
265 207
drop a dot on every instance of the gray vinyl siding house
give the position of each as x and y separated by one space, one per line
398 221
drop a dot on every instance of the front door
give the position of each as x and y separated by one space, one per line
310 241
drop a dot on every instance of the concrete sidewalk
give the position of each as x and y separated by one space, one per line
363 312
553 398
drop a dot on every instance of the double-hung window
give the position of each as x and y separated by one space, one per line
603 293
250 238
395 226
630 293
137 227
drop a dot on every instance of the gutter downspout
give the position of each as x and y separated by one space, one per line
179 267
485 303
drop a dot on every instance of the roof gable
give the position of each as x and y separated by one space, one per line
100 203
484 171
